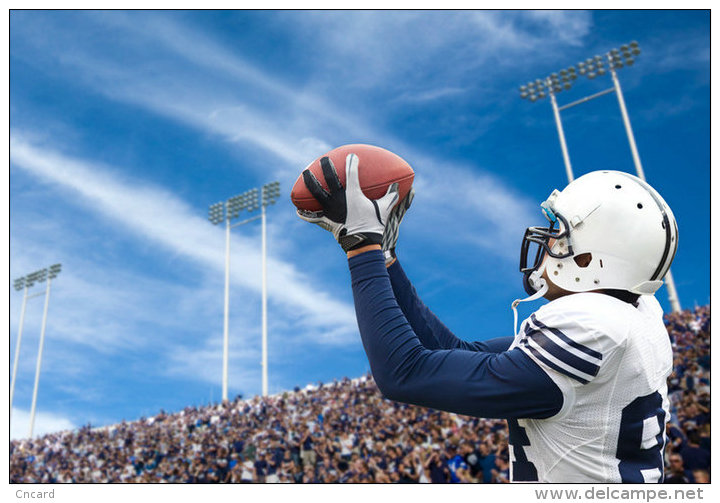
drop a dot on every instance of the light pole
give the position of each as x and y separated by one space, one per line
23 283
270 194
41 275
227 211
19 284
549 86
593 67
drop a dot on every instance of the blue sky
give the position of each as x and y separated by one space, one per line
125 126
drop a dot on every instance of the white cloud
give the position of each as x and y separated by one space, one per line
195 48
466 209
157 215
204 362
211 88
560 27
45 422
388 48
89 302
286 122
220 110
469 208
203 84
430 95
688 53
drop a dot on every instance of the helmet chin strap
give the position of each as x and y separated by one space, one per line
535 279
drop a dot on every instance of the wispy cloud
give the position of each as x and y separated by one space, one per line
383 46
45 422
295 141
113 112
469 207
690 52
195 48
203 84
154 213
205 88
200 84
203 361
430 95
555 27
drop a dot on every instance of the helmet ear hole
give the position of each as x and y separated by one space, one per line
583 260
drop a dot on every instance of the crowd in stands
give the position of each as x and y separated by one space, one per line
343 432
688 449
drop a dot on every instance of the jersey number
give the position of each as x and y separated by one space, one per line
523 470
641 440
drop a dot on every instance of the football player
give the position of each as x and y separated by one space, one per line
582 383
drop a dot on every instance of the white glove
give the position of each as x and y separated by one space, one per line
392 228
354 220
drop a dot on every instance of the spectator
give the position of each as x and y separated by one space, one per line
694 457
676 472
343 431
501 474
456 464
439 472
676 438
487 462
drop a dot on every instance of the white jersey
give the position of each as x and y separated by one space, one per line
611 361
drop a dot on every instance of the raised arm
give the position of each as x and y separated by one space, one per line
477 383
503 385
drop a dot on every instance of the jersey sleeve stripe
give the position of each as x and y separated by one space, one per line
550 364
567 347
531 343
562 354
588 351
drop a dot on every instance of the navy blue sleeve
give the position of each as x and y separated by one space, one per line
496 345
475 383
429 329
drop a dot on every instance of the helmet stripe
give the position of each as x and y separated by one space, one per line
667 257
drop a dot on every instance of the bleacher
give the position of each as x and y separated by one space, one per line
345 432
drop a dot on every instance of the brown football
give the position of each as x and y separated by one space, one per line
377 169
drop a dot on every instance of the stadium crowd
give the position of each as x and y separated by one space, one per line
343 432
688 448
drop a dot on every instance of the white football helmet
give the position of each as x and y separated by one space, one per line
614 232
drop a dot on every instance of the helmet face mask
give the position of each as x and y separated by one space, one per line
537 240
614 232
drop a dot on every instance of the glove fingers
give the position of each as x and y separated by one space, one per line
401 209
319 218
409 199
315 188
390 236
390 198
310 216
330 174
352 176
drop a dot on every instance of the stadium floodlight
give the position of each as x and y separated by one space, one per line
226 212
36 277
618 58
54 271
613 60
270 194
217 213
25 283
554 83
